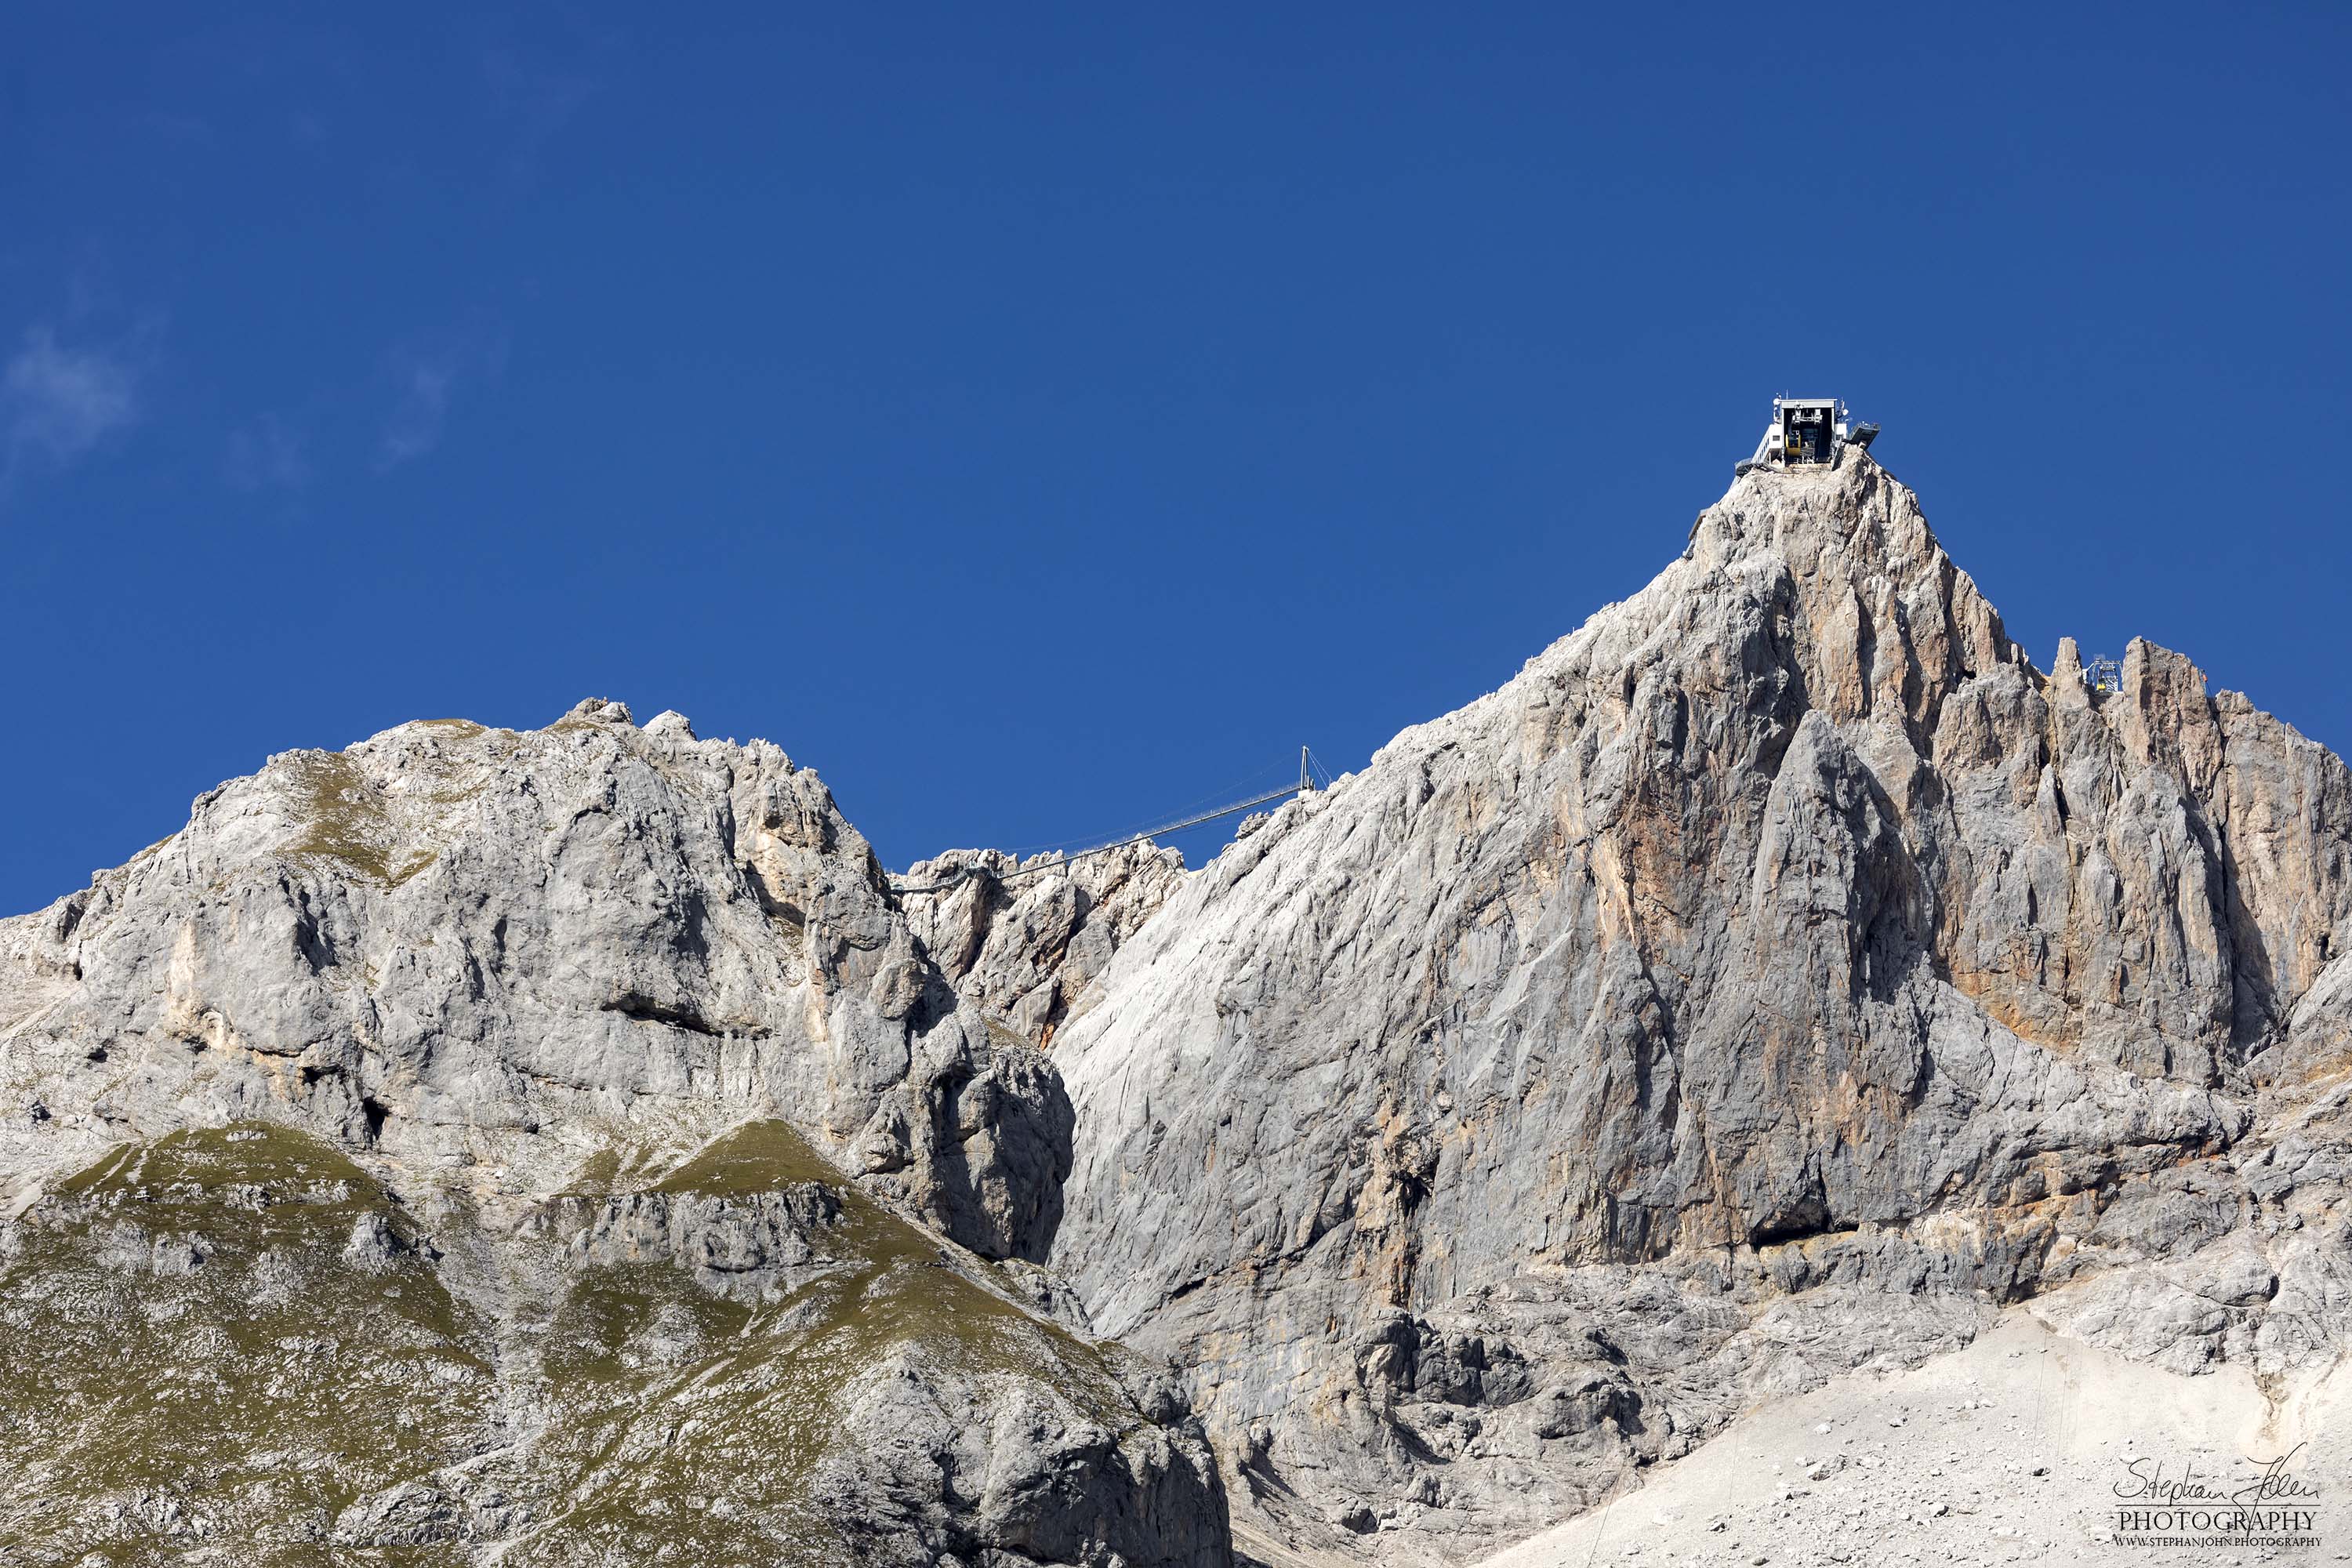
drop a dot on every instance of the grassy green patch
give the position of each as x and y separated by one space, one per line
744 1403
607 1326
409 868
268 1386
596 1175
342 820
756 1157
260 1153
185 1330
1003 1035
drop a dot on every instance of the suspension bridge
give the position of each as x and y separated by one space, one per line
1312 775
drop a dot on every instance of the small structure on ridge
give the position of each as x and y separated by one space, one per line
1806 432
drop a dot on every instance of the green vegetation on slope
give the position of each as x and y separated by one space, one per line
205 1353
695 1456
193 1358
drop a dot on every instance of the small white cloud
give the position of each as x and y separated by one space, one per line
59 402
414 427
268 455
426 380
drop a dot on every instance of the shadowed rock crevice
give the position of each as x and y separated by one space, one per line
645 1010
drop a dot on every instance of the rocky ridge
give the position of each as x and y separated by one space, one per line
1024 940
1779 976
575 1116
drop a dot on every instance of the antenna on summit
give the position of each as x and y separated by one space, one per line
1806 433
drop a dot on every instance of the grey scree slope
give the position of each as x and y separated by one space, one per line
562 1147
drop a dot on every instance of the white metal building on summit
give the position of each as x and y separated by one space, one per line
1806 432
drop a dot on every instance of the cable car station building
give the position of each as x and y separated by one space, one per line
1806 432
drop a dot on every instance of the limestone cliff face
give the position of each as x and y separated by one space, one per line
448 939
584 1097
1024 940
1780 975
1775 972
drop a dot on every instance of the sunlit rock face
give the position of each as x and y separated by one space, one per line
238 1340
570 1147
457 946
1777 974
1023 940
575 1113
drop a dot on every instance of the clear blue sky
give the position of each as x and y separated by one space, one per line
1035 418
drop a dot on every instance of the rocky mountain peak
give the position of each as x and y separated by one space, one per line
1778 976
595 1061
1782 927
447 940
